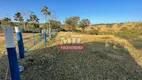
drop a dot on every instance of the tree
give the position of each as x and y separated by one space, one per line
26 15
18 17
72 22
47 13
26 23
55 24
34 21
5 21
84 23
44 26
75 20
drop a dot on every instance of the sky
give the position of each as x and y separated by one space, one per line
97 11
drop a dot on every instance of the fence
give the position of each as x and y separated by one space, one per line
32 41
29 43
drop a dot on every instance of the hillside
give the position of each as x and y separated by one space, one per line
114 27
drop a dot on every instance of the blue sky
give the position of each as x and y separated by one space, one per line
98 11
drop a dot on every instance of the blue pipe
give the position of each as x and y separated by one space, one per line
13 64
44 37
20 44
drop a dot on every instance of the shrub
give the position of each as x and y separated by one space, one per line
0 27
96 32
110 32
109 25
78 31
125 32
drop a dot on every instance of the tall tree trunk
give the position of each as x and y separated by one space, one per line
49 32
33 36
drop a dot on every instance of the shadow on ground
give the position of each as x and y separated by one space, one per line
96 62
137 43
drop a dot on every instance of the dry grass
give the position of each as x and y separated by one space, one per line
4 59
113 27
2 40
105 57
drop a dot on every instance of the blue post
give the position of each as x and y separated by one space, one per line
20 42
44 35
12 57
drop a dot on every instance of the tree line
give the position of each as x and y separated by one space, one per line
72 22
32 21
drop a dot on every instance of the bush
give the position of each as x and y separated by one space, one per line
0 26
111 32
92 32
78 31
125 32
61 29
109 25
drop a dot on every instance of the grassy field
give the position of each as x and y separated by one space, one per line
105 57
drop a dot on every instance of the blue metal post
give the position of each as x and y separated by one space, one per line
20 42
44 34
12 57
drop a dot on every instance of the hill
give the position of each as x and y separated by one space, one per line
114 26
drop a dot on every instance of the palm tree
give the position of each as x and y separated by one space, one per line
47 13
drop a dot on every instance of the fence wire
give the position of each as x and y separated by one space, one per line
29 43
